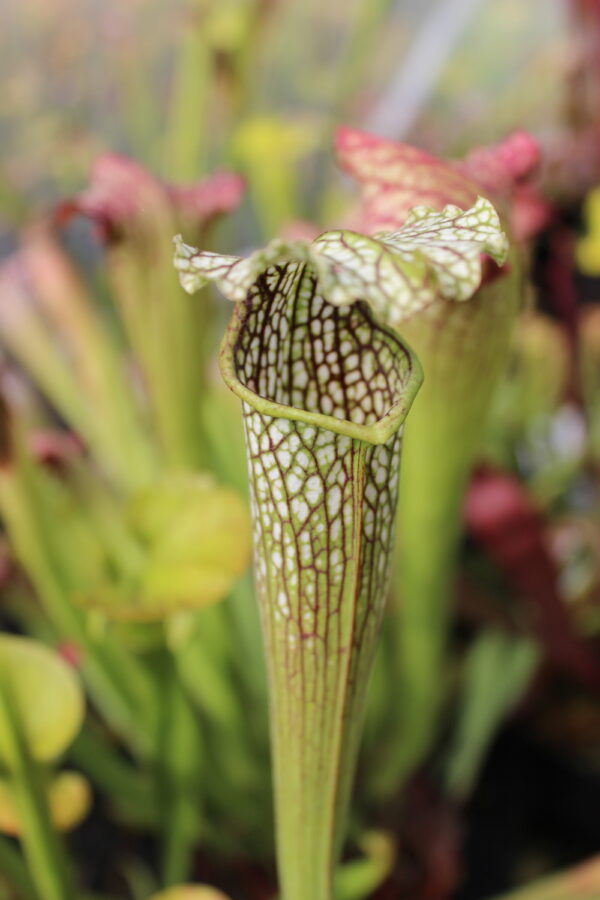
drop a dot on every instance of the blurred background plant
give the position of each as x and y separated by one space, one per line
126 545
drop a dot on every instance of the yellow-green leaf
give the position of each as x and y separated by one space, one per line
588 247
69 801
47 693
196 537
190 892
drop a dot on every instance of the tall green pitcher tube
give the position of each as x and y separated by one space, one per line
322 415
462 341
325 389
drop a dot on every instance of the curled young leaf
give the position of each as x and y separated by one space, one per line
360 877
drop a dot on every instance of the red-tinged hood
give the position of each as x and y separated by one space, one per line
121 192
396 177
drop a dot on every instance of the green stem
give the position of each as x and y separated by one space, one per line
13 869
222 671
92 356
43 849
171 339
251 670
426 572
179 770
127 787
496 672
184 150
205 665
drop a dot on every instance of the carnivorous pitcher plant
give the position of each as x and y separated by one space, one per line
462 346
325 388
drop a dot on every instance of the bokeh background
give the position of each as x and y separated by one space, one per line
186 87
115 428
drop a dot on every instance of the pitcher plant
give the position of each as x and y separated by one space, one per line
325 388
462 347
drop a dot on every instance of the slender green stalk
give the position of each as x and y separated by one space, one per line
497 670
43 850
136 107
13 868
241 608
180 772
94 361
204 661
169 337
222 669
124 785
184 148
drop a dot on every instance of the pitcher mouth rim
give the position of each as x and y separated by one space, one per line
378 432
